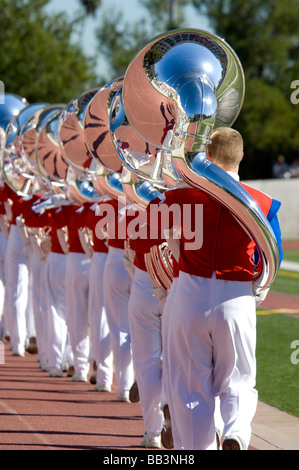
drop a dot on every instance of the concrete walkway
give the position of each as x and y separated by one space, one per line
290 266
273 429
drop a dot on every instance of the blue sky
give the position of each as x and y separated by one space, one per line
132 11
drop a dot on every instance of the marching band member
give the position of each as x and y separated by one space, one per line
77 285
4 230
145 313
99 330
147 346
212 333
54 332
16 276
35 303
117 288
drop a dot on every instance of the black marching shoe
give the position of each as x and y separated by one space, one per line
166 433
231 443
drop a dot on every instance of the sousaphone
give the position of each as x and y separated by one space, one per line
71 139
9 109
178 88
143 180
108 168
15 170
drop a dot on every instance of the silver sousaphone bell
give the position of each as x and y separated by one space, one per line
176 90
143 179
11 106
9 109
107 175
15 170
72 142
49 158
142 176
28 140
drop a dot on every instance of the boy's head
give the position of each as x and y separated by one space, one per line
225 148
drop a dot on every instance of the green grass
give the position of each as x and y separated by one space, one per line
277 376
291 255
287 282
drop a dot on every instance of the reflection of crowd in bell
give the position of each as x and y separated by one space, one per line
88 304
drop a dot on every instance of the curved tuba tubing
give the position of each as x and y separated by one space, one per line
159 266
109 183
176 90
139 190
222 187
80 188
11 107
15 170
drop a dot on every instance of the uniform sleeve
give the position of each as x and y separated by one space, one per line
61 216
32 219
274 222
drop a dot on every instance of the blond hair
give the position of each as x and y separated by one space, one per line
226 147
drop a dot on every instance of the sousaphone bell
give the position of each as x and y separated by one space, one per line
178 88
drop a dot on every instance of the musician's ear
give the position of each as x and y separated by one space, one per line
209 156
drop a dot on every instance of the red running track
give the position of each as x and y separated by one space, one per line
38 412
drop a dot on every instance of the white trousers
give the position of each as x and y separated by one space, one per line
32 292
3 248
99 330
36 277
210 345
166 318
117 287
41 313
77 285
16 289
145 313
55 275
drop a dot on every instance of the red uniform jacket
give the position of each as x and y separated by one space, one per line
32 219
226 249
143 245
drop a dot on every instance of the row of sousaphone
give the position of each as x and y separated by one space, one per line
137 136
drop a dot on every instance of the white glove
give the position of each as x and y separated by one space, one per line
261 295
160 294
129 266
56 200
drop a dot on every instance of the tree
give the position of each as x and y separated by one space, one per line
165 14
91 6
264 34
39 59
119 40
